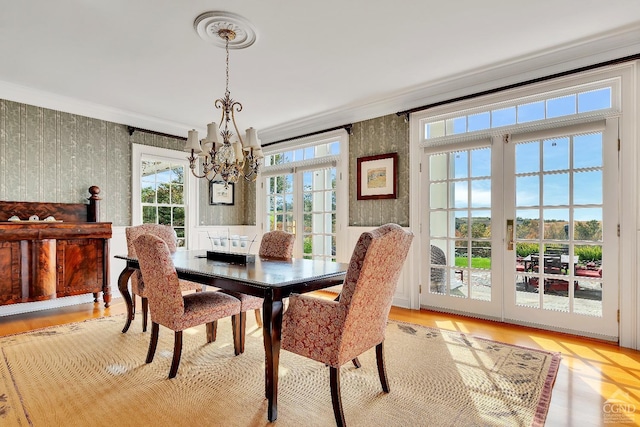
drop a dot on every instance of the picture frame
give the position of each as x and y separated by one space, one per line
377 177
219 195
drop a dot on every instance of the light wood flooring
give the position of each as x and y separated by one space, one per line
590 373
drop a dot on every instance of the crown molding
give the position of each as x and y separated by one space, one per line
605 47
43 99
619 44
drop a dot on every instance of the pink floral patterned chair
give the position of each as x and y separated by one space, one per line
336 332
166 233
275 244
170 308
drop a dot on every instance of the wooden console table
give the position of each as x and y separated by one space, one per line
41 260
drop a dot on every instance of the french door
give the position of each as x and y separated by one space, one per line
523 228
304 203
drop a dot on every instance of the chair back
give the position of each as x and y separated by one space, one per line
437 258
165 232
370 283
277 244
162 285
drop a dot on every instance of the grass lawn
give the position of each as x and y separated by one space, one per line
484 263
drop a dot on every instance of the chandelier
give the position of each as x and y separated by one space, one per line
222 159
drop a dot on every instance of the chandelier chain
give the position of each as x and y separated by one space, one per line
227 93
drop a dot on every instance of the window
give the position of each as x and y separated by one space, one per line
162 195
163 191
570 103
302 185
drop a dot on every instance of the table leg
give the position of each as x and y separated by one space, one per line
123 286
271 331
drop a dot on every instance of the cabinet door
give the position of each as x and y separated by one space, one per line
10 266
79 263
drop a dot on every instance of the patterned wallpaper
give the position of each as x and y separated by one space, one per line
243 211
52 156
208 215
387 134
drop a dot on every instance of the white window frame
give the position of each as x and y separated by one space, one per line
341 162
629 218
140 152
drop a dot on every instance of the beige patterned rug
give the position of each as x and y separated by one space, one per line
90 374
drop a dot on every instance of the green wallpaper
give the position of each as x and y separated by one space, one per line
387 134
51 156
243 211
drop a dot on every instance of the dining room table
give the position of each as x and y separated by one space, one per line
270 279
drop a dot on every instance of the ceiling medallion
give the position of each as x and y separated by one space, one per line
209 24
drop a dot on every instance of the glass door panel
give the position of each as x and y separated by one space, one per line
460 228
319 197
560 212
280 203
307 198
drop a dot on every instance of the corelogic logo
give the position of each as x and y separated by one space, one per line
618 409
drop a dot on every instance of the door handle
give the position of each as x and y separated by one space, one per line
510 234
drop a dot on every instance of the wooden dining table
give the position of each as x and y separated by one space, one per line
270 279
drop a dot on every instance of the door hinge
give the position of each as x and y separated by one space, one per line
618 230
420 169
419 289
618 316
618 144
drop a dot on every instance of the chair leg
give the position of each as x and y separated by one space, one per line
153 343
381 369
334 374
215 330
258 317
145 312
239 327
212 330
177 352
356 363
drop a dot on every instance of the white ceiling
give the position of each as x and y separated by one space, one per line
315 64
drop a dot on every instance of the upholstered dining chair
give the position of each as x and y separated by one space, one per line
276 244
166 233
170 308
335 332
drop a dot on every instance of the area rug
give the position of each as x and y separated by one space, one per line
90 374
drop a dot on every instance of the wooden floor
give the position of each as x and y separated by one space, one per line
591 371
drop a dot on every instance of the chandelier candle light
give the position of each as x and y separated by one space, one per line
220 157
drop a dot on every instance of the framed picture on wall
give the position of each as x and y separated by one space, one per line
378 177
219 195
